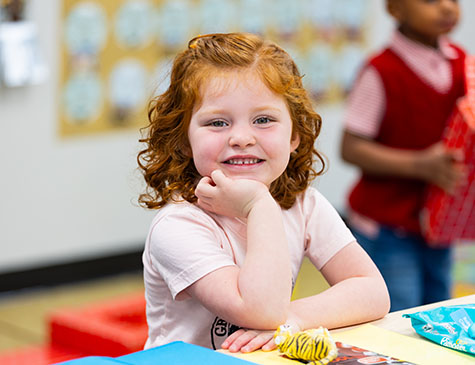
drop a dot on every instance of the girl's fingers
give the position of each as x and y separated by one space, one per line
204 187
228 341
205 181
270 345
241 341
218 177
258 342
249 340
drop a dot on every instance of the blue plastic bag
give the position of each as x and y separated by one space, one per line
451 326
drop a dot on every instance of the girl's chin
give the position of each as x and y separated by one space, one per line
247 177
237 175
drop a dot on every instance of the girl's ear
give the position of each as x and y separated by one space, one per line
294 142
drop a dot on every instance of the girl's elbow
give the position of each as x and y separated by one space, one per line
270 319
378 302
384 307
384 301
263 318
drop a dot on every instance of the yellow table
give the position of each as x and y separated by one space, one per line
392 335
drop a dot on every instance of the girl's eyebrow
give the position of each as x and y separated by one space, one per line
211 111
267 108
214 111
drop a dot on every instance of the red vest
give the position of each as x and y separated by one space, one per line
415 117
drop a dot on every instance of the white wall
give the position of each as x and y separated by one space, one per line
63 200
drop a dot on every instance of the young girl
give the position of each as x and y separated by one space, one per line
228 161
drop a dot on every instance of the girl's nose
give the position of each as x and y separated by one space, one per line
241 136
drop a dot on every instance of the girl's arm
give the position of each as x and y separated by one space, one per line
257 295
435 164
357 293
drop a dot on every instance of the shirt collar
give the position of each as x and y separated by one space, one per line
403 45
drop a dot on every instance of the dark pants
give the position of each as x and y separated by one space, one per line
415 273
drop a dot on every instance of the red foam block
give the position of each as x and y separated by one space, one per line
111 328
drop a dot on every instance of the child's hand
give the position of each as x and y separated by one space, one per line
442 167
250 340
229 197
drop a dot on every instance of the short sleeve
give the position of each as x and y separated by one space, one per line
184 246
366 104
326 233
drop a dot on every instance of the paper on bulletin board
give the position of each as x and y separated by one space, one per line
117 55
419 351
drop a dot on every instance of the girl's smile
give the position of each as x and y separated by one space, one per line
242 128
241 161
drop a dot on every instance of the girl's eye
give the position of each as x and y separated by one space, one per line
262 120
218 123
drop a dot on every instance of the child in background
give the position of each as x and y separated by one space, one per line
396 114
228 161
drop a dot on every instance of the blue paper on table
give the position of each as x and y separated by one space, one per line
450 326
177 353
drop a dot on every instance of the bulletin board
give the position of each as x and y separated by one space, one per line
116 55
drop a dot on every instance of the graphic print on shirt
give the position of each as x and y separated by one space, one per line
220 330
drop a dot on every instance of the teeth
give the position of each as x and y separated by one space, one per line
242 161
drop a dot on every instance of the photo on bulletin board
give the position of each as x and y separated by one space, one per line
116 55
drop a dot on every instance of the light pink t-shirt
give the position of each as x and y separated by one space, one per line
185 243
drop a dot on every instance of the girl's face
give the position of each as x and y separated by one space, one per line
425 20
241 128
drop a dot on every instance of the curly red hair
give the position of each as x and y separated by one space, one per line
166 161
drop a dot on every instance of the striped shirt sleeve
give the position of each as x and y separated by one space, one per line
366 104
